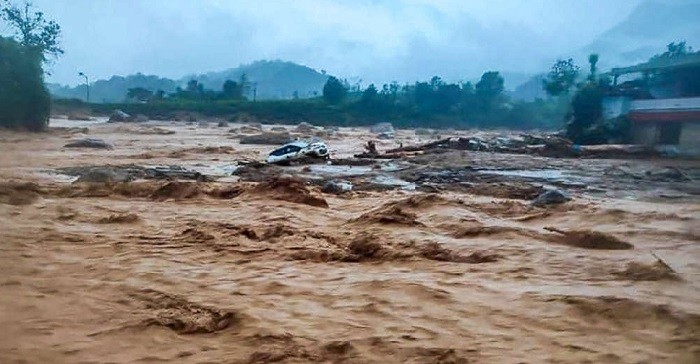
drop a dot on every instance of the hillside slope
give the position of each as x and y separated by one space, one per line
114 89
273 79
647 31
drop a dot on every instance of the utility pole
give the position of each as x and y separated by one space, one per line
87 87
255 91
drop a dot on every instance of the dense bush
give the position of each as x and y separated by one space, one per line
539 114
334 91
24 100
432 104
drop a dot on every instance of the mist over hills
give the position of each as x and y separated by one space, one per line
272 79
645 32
114 89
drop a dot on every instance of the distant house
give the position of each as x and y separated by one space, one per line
662 101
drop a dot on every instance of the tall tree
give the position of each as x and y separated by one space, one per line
244 84
232 90
593 64
674 49
586 113
490 86
139 94
369 95
24 100
193 86
562 77
32 29
334 91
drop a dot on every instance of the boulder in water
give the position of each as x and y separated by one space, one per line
119 116
104 175
551 197
382 128
336 187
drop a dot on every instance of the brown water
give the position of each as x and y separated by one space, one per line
150 271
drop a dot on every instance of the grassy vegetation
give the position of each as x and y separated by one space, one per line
523 115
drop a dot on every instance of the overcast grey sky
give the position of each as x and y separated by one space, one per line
377 40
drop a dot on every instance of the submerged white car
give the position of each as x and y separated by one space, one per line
298 150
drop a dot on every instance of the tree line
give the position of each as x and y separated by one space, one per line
194 91
438 103
25 102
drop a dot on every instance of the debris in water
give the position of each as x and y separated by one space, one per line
382 128
19 193
435 251
299 150
657 271
587 239
390 215
290 189
130 172
89 143
266 138
181 315
337 188
121 218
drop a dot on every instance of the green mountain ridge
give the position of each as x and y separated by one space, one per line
114 89
271 79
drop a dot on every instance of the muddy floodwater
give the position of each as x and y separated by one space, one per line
193 252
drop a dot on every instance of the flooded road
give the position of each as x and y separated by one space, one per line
449 263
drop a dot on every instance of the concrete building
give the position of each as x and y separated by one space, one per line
667 122
662 103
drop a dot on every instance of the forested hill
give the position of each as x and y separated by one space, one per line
114 89
272 79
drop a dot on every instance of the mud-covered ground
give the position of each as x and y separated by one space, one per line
436 258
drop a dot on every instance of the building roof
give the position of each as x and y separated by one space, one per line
660 63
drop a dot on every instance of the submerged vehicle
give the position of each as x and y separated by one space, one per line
298 150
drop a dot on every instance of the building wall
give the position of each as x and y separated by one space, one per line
690 136
688 144
645 133
685 104
615 106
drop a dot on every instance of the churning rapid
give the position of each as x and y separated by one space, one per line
154 251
